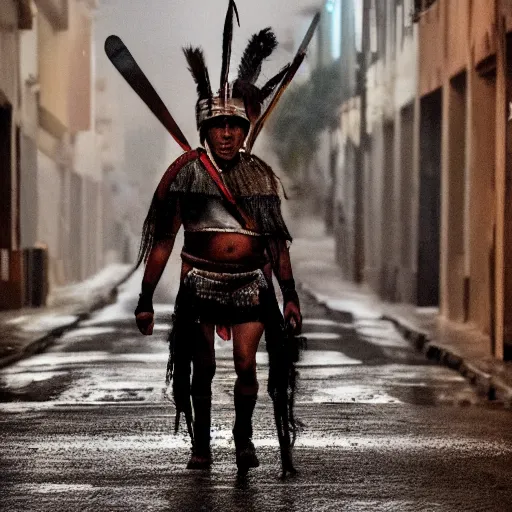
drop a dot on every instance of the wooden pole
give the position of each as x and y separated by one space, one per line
500 174
359 159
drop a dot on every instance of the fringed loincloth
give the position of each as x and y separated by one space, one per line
225 298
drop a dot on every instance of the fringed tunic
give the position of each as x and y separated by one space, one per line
252 183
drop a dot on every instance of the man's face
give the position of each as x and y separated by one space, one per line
226 136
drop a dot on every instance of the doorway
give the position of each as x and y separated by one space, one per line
430 200
5 177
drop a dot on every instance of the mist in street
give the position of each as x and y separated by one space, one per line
278 285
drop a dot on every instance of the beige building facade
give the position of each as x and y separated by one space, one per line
387 147
54 164
15 16
463 70
427 131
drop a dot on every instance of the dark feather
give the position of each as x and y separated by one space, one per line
197 67
260 46
226 43
269 87
251 96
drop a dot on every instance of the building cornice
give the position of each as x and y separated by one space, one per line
25 15
57 12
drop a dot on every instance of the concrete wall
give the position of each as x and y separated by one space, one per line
65 71
29 88
68 137
483 30
453 243
391 88
49 221
407 192
11 270
344 202
53 156
481 192
431 48
9 51
457 46
9 59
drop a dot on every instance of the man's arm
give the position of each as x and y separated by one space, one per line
282 268
155 265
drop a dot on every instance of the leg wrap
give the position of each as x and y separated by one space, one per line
244 408
202 423
202 379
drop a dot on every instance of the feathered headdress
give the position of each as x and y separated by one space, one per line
240 98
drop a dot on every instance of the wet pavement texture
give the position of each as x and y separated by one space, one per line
88 425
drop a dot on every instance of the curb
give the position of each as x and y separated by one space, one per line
44 341
39 344
488 385
341 316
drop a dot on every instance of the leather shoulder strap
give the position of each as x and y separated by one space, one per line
173 170
231 204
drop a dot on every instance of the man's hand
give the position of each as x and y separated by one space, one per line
292 317
145 323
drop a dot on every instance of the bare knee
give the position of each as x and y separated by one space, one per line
246 372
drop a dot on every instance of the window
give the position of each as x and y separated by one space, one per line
333 7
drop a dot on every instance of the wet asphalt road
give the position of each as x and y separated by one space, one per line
86 426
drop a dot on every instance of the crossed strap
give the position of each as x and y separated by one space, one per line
199 153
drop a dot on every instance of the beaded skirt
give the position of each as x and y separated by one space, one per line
224 298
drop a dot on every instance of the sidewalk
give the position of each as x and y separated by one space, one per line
24 332
457 346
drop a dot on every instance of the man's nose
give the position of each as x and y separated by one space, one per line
228 130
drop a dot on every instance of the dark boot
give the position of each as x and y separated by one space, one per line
242 432
201 454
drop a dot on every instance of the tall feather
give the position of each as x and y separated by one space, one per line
260 46
269 87
197 66
226 44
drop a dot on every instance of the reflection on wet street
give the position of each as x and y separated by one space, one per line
87 425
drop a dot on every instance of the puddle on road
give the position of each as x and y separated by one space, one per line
50 488
223 438
88 332
315 358
23 379
353 394
60 359
161 327
324 322
47 322
322 336
381 334
355 307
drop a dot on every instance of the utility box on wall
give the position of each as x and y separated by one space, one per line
11 279
35 260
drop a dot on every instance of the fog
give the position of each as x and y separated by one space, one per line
155 33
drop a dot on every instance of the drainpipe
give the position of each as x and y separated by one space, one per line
359 157
498 315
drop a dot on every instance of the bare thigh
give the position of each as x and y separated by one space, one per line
204 349
246 338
